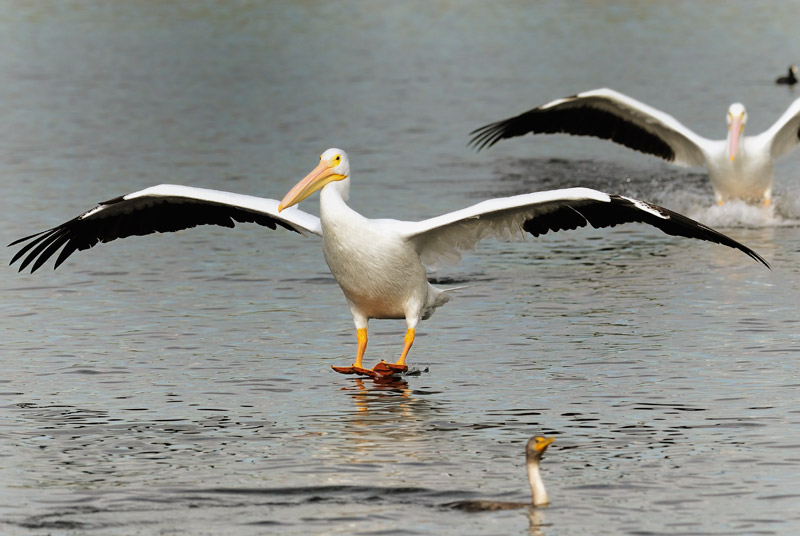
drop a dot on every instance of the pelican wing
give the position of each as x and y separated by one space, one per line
784 134
607 114
158 209
443 237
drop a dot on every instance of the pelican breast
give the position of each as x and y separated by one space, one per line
378 270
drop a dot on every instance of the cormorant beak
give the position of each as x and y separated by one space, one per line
543 442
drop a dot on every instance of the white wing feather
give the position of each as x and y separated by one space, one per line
578 115
687 144
158 209
300 220
784 135
441 239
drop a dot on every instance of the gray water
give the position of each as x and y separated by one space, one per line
180 384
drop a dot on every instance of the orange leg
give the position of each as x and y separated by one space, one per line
409 340
386 369
357 367
361 334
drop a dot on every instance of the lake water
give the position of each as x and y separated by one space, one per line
180 384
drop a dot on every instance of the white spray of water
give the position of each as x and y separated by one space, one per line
784 211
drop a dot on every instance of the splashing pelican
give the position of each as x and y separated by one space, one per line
739 167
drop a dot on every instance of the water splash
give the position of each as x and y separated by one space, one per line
683 190
741 214
783 212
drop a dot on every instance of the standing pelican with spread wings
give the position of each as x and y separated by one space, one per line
739 167
378 263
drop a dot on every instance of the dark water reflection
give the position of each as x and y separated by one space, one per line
181 384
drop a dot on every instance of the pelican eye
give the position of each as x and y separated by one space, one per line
335 160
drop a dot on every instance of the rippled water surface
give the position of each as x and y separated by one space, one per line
180 384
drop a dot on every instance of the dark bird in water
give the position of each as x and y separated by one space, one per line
791 77
533 455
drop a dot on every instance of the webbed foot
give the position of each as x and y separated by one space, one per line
355 370
387 369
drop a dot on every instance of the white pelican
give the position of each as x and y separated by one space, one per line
791 77
739 167
377 263
533 455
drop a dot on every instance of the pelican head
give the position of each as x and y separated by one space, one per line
333 166
737 118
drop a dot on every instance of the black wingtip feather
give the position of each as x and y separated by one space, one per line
56 244
43 246
153 215
37 238
486 136
20 240
677 224
68 250
576 120
573 214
